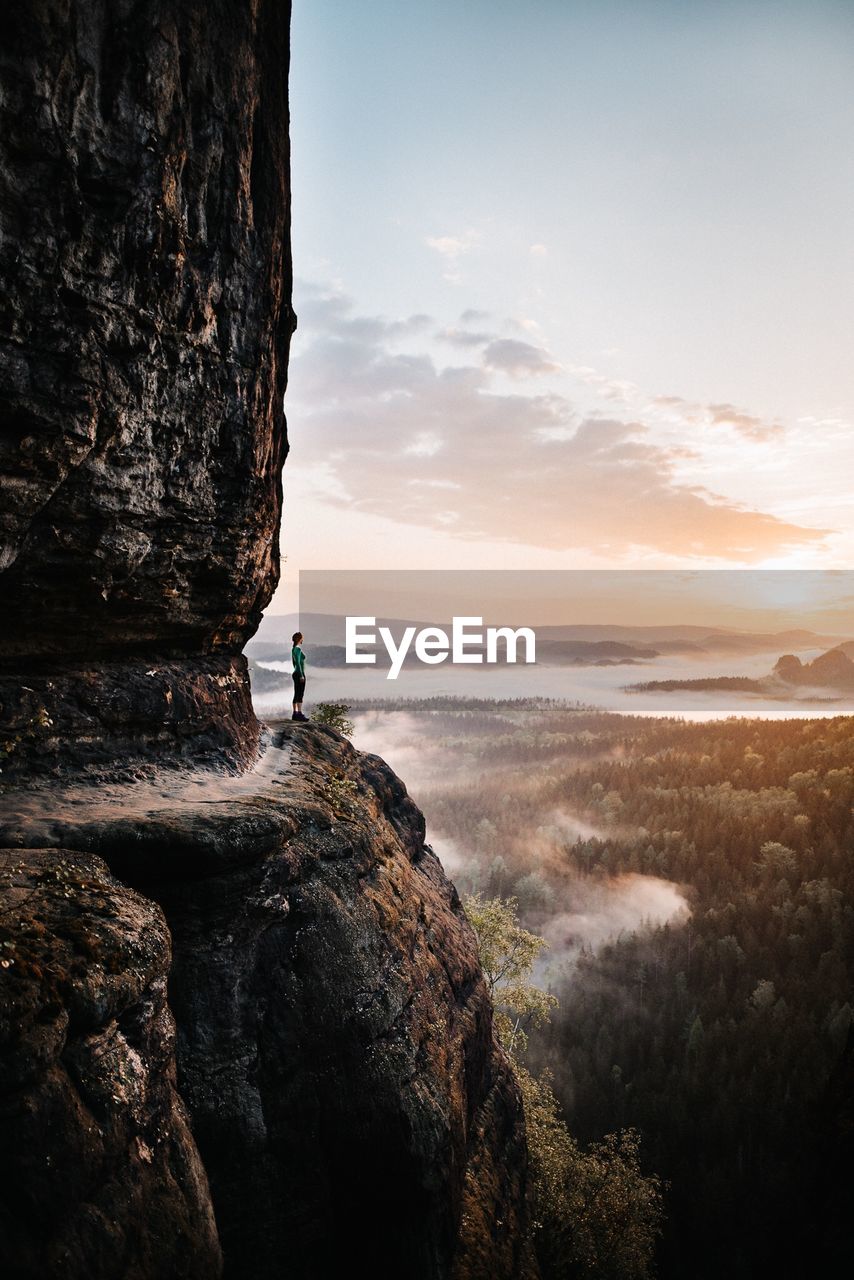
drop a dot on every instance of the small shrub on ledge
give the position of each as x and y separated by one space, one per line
336 716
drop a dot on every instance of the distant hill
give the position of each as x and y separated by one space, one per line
577 653
273 639
685 638
572 653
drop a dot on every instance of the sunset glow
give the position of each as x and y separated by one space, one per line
577 338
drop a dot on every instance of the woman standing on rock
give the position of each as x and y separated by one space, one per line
298 659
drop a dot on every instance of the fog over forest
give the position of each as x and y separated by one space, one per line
583 911
607 687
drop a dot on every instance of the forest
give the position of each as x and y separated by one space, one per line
721 1034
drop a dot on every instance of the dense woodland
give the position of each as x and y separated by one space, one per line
723 1037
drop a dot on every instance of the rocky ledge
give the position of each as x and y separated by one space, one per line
334 1034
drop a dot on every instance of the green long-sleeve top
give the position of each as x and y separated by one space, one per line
298 659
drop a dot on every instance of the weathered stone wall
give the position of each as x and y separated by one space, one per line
145 316
145 286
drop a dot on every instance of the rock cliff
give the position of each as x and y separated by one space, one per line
335 1047
244 1025
145 318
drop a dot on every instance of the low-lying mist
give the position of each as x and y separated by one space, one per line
604 909
608 687
496 829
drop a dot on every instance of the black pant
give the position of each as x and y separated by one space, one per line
299 687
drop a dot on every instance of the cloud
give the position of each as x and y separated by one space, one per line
465 337
518 359
330 312
424 445
453 246
747 424
538 251
525 468
618 389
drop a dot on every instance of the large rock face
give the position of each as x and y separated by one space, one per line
145 315
145 322
335 1046
322 1089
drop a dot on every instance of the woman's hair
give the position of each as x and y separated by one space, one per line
296 636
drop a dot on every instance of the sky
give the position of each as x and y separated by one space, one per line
575 285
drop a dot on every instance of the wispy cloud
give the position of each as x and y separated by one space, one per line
396 430
451 249
465 337
609 388
748 425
